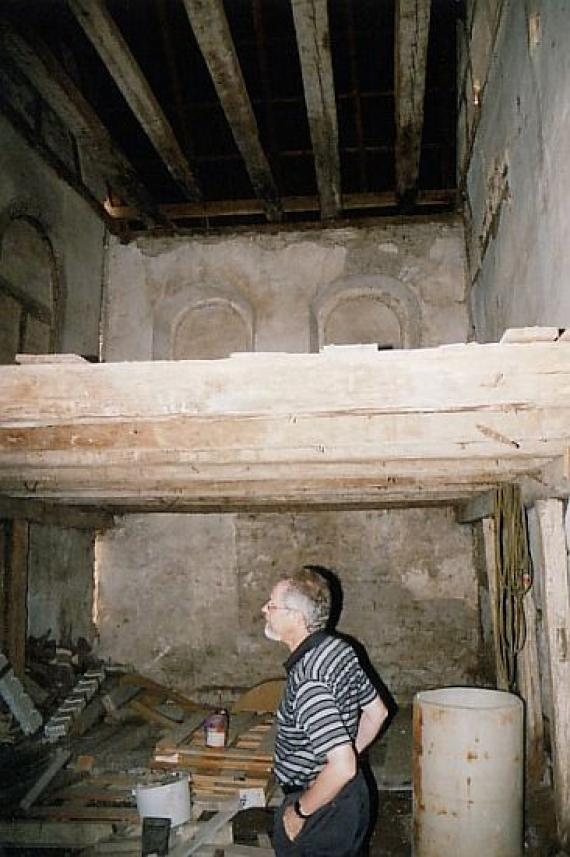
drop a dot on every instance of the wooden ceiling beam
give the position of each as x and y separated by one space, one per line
212 32
57 89
313 41
410 50
108 41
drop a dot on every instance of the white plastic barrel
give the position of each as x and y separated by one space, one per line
167 799
468 773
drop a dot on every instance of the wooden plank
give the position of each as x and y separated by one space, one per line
34 511
289 204
528 675
556 593
411 41
60 758
107 39
77 812
16 594
489 536
212 32
265 696
60 93
313 41
53 834
179 734
206 831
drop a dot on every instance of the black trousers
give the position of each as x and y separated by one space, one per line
338 829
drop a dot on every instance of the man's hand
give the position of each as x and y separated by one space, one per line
292 823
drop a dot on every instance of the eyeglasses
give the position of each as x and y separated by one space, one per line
269 606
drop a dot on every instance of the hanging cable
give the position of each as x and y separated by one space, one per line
513 570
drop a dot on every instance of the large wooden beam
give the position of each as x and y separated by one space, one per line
108 41
431 424
58 90
313 40
410 49
210 26
556 593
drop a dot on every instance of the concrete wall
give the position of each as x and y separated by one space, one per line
180 596
513 153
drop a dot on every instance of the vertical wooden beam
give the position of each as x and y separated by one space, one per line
410 52
488 527
550 516
528 676
212 31
313 40
16 593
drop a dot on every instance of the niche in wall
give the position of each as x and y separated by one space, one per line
366 309
202 323
28 289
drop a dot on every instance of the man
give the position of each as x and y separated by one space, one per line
329 714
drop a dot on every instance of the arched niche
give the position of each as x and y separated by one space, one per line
30 296
202 324
366 309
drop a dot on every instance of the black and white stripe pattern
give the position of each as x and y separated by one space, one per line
326 689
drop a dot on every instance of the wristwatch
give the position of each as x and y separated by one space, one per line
299 811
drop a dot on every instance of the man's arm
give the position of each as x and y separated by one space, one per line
373 716
338 771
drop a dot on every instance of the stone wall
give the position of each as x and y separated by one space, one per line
180 596
513 127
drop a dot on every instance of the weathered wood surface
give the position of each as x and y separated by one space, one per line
108 41
313 41
411 41
58 90
410 426
556 594
212 32
489 542
528 673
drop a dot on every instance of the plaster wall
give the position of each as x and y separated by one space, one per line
278 281
60 563
180 596
29 188
517 178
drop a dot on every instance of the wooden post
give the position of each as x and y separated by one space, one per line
557 623
528 675
488 525
16 591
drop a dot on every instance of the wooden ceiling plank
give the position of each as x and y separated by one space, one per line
212 32
410 50
108 41
57 89
313 41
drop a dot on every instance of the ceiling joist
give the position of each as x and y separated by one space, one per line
410 51
210 26
108 41
313 40
57 89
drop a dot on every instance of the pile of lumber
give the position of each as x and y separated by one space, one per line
242 769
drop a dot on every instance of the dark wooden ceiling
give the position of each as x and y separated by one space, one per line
185 112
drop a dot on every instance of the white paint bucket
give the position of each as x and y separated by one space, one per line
169 798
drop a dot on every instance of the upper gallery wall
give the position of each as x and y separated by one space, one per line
514 125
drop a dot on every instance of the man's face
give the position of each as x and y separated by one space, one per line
278 617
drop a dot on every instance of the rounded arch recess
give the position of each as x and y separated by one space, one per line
395 295
173 310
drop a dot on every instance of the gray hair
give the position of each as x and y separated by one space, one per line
308 592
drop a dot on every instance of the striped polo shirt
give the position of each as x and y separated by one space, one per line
326 689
